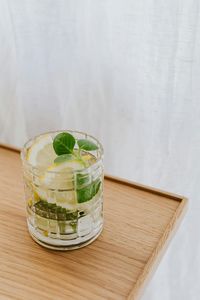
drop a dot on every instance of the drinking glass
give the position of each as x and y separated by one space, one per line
64 211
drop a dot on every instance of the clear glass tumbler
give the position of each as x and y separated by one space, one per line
64 208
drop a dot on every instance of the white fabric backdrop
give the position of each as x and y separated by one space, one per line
127 72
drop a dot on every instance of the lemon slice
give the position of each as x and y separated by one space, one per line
60 176
41 154
57 183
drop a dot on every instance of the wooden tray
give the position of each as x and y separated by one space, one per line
139 222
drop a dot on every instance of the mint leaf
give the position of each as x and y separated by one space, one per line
96 187
87 145
63 157
87 193
54 211
82 180
63 143
84 194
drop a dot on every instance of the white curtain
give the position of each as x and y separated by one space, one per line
127 72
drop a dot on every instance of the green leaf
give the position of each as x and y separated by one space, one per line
63 143
87 193
87 145
53 211
96 187
63 157
82 180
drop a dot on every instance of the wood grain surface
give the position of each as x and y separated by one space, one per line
139 222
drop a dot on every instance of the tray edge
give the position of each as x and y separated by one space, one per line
9 147
145 188
157 254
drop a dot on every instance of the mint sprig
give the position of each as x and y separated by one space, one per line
64 144
68 148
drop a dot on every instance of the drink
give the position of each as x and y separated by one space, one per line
63 192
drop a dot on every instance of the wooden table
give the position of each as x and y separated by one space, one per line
139 222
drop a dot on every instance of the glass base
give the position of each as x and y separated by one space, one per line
63 245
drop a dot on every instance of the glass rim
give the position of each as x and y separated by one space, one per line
40 169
